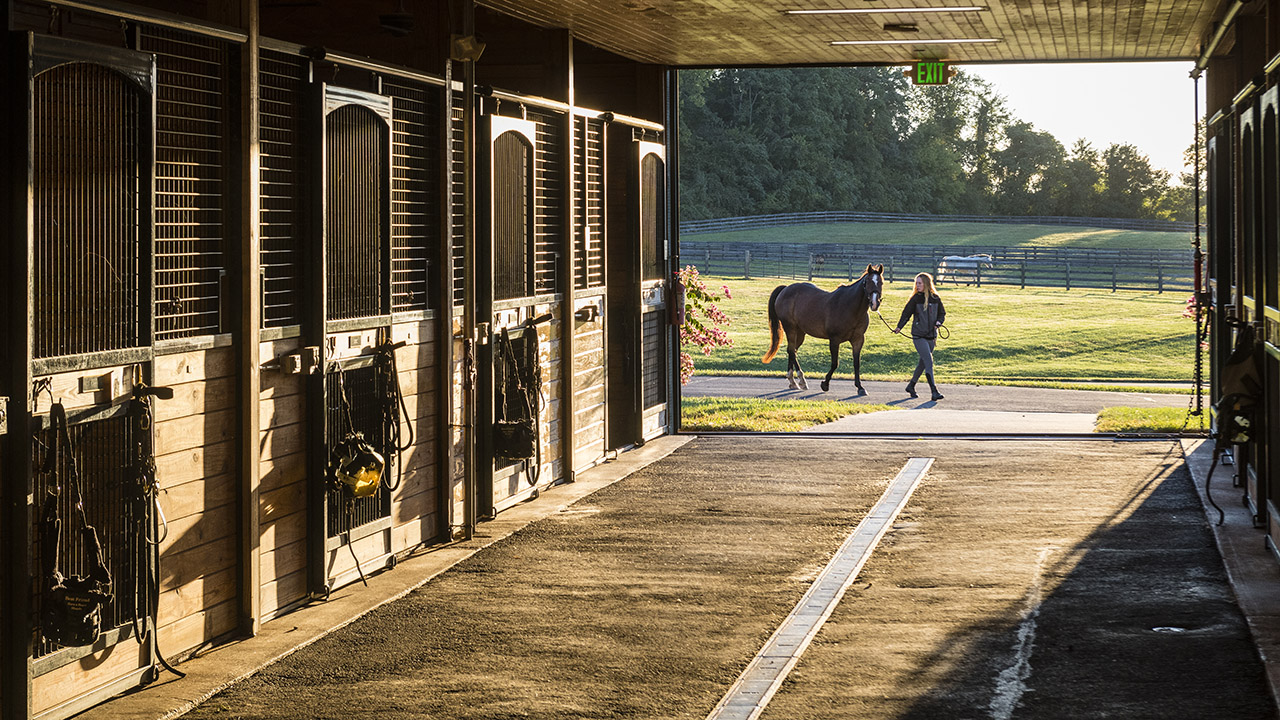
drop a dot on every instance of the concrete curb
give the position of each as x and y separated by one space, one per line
210 673
1253 573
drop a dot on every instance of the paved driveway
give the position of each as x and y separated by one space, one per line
1044 580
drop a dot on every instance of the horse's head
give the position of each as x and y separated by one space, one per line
875 285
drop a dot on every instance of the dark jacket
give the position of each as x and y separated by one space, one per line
925 317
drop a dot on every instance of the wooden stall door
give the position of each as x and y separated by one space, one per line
92 332
1268 298
1253 468
350 319
638 334
510 364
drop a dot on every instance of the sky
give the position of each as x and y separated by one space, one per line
1147 105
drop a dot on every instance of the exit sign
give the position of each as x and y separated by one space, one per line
930 72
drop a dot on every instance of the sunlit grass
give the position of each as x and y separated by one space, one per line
997 334
956 234
1150 420
760 415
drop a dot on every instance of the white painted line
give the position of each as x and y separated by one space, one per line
757 684
1011 683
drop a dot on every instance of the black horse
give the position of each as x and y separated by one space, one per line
840 316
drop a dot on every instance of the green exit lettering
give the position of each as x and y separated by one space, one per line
931 73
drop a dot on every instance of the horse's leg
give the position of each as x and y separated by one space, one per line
795 338
792 366
835 363
857 362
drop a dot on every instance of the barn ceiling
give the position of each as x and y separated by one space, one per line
760 32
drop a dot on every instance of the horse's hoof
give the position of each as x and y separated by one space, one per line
825 386
794 386
861 391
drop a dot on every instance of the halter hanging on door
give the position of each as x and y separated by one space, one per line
71 608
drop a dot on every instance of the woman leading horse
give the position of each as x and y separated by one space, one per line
839 316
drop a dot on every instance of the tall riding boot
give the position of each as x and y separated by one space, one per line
936 395
911 386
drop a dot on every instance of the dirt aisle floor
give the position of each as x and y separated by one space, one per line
1021 575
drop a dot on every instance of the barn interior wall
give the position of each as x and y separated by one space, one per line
206 594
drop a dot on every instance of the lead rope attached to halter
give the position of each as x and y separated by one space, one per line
943 332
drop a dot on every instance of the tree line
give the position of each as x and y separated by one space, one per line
758 141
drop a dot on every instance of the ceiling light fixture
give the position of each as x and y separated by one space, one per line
917 42
869 11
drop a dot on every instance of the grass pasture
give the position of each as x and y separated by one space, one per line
956 233
997 334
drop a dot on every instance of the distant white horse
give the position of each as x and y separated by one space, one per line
962 268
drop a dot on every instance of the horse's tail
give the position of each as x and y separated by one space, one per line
775 325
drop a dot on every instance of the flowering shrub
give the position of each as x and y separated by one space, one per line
702 319
1192 306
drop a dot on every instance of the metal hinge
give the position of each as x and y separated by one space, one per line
4 415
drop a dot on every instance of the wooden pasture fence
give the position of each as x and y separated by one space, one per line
1026 266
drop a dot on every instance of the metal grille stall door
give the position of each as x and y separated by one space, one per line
356 143
89 181
282 219
415 192
654 359
512 171
191 180
363 413
653 217
103 455
589 194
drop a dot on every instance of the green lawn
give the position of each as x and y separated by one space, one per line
1150 420
997 333
762 415
956 233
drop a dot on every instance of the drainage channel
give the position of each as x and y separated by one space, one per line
751 692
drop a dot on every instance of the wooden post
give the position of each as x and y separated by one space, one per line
16 332
889 270
568 328
810 267
1068 276
1023 286
1160 280
250 362
746 264
1113 278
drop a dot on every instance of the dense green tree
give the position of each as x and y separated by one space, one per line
755 141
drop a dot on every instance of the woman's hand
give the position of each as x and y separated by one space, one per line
897 331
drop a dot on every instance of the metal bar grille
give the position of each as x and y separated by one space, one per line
589 194
191 180
415 192
102 452
457 197
652 212
549 234
367 399
654 371
356 168
283 81
88 172
511 266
